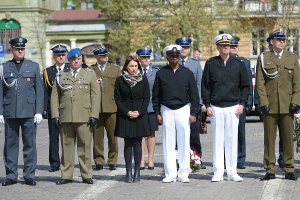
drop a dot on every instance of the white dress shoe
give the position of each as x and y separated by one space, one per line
168 180
235 178
217 178
184 180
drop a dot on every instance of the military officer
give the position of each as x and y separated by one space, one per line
149 70
106 76
75 108
59 55
21 105
225 90
234 43
280 157
194 65
278 87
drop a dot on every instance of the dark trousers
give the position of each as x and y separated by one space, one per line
195 138
53 144
11 147
241 140
133 145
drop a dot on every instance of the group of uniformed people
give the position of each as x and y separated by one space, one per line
79 103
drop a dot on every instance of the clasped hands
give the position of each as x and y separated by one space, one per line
133 114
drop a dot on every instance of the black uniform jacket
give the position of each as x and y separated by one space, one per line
224 86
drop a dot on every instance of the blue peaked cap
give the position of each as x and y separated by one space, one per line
101 51
145 51
277 34
184 41
234 41
74 53
59 49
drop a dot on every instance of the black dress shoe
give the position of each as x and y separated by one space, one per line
151 167
88 181
9 182
241 167
291 176
97 167
112 167
30 182
53 169
142 168
268 176
202 166
63 181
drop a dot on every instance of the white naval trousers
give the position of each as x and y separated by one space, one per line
224 124
176 127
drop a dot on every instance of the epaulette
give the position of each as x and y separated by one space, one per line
115 65
240 59
89 69
194 59
155 66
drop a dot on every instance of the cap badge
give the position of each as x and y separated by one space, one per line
224 37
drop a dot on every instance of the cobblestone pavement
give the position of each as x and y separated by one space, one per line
111 185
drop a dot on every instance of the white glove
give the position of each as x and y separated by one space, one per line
37 118
2 119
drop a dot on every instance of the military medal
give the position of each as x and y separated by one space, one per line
100 80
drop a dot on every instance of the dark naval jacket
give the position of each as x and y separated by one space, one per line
49 78
25 98
224 85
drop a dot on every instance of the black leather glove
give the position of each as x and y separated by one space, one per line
248 109
294 108
92 121
57 121
45 115
265 109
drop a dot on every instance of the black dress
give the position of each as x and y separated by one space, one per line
132 99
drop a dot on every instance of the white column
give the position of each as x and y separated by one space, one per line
48 54
73 42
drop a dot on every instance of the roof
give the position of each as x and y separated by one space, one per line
76 15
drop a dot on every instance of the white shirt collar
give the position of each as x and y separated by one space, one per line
61 67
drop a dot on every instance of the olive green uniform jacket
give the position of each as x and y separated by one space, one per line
80 102
278 92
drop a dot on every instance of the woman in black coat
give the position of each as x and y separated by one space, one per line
132 98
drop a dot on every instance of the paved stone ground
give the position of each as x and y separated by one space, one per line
111 185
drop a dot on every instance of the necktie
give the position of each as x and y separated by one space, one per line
182 62
145 71
101 68
74 73
278 55
59 69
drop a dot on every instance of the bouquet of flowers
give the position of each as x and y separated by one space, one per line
195 162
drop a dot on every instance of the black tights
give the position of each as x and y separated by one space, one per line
133 145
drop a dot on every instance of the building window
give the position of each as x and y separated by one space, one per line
258 42
9 29
292 42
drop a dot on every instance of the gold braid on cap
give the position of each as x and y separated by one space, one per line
46 78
